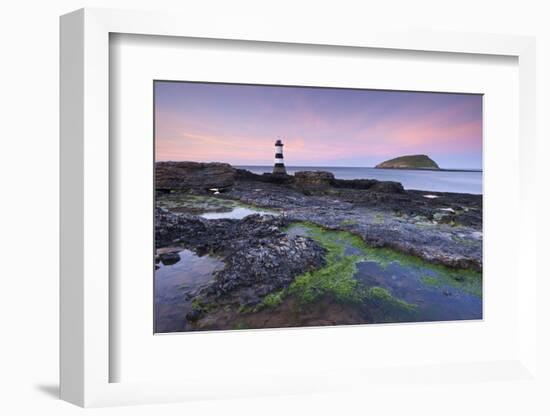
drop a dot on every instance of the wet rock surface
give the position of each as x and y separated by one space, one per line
313 180
267 265
261 258
168 258
445 229
193 175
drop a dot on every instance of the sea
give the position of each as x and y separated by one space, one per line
461 181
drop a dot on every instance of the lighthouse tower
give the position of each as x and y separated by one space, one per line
279 167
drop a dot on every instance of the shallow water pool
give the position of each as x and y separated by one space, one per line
236 213
408 288
175 286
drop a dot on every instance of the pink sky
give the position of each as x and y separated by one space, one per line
238 124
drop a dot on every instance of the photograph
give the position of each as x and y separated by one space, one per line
282 206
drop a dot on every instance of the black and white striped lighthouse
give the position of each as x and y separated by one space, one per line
279 167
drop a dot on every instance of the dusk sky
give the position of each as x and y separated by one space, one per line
239 124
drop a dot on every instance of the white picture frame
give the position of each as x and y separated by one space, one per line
85 210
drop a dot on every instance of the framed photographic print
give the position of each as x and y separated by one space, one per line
262 212
316 228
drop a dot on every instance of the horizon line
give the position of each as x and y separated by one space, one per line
328 166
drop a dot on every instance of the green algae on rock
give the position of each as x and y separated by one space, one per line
336 278
208 206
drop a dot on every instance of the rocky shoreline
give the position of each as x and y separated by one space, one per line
261 258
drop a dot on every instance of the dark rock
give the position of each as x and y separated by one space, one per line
323 181
313 180
171 228
266 265
354 183
193 315
400 221
259 257
169 258
280 179
243 174
388 187
193 175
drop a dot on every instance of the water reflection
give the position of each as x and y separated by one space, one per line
435 298
236 213
176 284
434 303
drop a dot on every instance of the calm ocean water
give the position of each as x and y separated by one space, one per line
426 180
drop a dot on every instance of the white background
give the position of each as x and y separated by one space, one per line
29 175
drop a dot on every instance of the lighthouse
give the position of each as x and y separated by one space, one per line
279 167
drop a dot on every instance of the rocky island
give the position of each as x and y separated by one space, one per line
310 249
409 162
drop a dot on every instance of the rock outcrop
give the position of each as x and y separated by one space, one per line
387 187
259 256
443 230
313 180
409 162
320 182
193 175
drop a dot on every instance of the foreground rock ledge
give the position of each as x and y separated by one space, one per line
193 175
445 228
259 257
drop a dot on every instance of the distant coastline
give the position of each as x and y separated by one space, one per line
315 167
434 169
267 167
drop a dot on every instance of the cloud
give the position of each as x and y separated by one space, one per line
317 127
